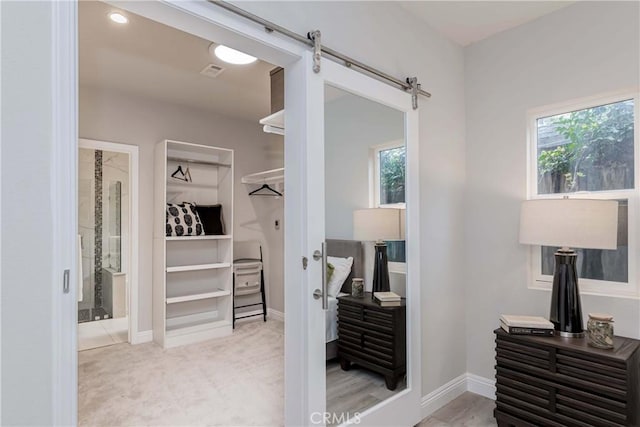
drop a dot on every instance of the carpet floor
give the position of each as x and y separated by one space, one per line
233 381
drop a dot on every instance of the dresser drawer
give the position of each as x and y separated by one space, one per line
560 381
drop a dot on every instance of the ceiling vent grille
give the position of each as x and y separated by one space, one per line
212 71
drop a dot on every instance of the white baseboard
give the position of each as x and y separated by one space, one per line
482 386
141 337
275 314
454 388
443 395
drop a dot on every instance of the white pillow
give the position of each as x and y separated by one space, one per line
342 269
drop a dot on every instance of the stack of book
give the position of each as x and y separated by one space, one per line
526 325
387 299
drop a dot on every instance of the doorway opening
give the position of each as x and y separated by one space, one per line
211 225
107 204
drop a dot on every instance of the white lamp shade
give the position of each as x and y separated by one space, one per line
572 223
378 224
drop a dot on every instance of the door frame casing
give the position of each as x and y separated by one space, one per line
133 220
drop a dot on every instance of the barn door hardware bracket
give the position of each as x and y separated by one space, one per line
414 87
316 37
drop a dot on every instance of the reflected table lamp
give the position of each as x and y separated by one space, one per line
379 225
568 223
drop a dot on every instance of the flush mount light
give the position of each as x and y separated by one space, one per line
118 18
232 56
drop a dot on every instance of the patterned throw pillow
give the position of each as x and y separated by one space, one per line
183 220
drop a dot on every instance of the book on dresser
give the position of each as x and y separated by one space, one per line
387 299
518 330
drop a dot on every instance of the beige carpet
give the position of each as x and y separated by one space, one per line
233 381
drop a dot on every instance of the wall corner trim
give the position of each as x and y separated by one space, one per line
142 337
454 388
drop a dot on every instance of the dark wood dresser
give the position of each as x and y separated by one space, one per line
373 337
558 381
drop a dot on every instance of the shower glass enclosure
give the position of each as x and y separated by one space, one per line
103 222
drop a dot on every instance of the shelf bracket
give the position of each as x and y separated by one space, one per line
316 37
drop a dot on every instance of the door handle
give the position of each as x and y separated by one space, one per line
317 294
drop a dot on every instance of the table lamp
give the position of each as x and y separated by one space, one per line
568 223
379 225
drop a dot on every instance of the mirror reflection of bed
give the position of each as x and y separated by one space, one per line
358 388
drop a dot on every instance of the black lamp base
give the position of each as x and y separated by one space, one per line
380 269
566 310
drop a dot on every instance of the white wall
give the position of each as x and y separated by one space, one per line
117 117
26 235
582 50
385 36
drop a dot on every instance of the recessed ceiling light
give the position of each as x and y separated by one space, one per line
232 56
118 17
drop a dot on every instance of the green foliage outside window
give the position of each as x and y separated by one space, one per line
392 175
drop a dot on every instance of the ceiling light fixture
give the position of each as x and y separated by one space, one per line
232 56
118 18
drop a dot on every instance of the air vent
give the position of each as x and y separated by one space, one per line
212 71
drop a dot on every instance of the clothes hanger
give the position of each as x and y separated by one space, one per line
265 187
187 175
181 172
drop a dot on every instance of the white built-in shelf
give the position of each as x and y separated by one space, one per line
273 176
274 123
198 267
193 327
185 186
208 237
195 297
196 161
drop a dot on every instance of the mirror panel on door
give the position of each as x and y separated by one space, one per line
365 179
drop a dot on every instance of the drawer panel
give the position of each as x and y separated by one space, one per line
588 413
348 311
570 397
574 360
561 379
365 325
350 326
367 344
378 317
595 377
370 356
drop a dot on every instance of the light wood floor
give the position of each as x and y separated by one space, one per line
468 410
355 390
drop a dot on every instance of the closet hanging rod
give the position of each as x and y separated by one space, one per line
198 162
348 61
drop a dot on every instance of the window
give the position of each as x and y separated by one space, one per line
589 150
388 188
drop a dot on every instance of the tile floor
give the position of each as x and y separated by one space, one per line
101 333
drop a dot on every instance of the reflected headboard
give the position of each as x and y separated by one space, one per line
345 249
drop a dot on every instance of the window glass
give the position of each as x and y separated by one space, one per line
587 150
396 251
392 175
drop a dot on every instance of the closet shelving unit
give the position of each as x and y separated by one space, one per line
192 275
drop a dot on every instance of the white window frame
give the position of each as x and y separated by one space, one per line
537 280
374 190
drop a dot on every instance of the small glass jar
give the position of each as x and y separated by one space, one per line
600 330
357 288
